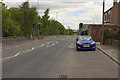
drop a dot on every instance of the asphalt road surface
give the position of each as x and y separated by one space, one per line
59 57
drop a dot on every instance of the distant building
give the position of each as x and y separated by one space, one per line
112 16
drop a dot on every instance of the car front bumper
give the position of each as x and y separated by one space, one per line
83 47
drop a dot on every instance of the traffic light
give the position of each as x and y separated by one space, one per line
81 26
33 25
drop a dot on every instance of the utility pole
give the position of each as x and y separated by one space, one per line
102 37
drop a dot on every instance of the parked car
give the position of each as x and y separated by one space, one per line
85 43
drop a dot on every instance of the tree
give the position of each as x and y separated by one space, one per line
56 27
30 16
9 27
45 22
18 21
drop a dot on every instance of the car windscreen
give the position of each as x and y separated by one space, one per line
84 38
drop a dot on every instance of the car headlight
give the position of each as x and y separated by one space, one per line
93 43
78 43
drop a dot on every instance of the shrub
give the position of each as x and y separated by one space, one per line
107 33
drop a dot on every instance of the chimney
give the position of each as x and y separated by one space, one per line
114 2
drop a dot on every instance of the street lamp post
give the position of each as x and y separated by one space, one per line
57 15
102 41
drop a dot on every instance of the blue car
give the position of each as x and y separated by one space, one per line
85 43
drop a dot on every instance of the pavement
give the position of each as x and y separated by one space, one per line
110 51
57 56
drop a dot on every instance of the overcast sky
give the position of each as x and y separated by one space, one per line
69 12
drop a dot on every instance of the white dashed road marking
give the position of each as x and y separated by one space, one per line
18 54
16 46
52 44
56 42
12 56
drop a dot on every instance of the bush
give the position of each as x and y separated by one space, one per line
107 33
118 33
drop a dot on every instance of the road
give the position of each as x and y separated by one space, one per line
59 57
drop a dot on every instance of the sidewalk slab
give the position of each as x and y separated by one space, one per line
109 51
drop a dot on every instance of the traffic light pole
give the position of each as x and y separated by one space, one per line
33 25
38 30
34 34
38 33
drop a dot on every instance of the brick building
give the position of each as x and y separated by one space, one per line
112 16
94 30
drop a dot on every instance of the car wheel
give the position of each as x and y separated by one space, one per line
94 49
77 49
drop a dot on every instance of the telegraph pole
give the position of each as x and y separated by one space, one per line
102 37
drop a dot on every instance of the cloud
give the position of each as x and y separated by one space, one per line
68 12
